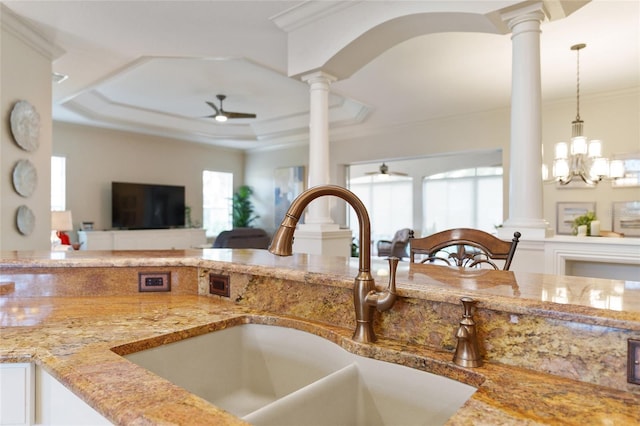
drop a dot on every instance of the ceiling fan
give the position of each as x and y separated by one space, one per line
221 115
384 170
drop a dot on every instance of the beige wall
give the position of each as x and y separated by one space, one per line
614 118
96 157
260 167
26 75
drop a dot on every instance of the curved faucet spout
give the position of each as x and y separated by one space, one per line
282 242
365 296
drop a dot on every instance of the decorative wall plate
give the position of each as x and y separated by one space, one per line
25 220
25 178
25 125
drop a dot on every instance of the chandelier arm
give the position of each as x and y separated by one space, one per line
589 181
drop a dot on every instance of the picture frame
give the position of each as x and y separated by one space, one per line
289 182
631 177
567 212
626 218
86 226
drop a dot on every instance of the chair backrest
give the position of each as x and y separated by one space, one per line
463 247
402 236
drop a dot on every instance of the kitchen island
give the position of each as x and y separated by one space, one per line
555 347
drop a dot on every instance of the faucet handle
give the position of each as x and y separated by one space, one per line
467 350
467 304
393 267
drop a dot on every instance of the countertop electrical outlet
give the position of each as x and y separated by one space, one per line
633 363
154 281
219 285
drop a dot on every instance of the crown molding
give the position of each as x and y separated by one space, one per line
26 33
309 11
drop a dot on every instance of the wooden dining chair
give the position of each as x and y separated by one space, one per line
397 246
463 247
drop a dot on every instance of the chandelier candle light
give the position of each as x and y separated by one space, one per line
581 159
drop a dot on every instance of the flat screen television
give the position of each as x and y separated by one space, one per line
146 206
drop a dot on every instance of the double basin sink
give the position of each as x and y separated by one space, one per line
271 375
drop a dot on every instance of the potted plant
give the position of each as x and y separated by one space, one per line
242 208
586 220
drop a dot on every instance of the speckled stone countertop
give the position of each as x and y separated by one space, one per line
79 337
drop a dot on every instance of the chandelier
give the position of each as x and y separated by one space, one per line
581 158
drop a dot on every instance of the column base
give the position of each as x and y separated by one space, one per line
322 239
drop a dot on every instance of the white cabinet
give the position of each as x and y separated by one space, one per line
148 239
31 396
57 405
16 394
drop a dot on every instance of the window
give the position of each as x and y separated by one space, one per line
468 198
58 183
389 201
217 191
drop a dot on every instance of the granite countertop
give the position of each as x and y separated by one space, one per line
76 337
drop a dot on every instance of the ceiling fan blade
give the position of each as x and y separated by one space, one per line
215 108
384 170
238 115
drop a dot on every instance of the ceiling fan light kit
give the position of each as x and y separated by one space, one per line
221 115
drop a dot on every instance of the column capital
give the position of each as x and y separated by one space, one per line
318 77
530 12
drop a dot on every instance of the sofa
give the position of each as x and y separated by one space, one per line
243 238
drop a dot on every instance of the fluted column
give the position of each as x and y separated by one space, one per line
318 212
525 179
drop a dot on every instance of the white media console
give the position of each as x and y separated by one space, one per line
148 239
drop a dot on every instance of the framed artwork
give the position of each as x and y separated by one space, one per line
626 218
631 177
566 214
289 182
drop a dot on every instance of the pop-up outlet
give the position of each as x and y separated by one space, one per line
154 281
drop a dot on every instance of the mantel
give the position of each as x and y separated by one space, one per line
611 257
597 257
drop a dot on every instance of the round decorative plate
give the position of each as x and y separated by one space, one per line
25 125
25 178
25 220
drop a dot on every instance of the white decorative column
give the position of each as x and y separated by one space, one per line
319 234
525 178
318 213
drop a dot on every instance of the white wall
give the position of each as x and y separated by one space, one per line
96 157
26 75
614 118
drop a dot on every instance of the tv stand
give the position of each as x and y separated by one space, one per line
143 239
